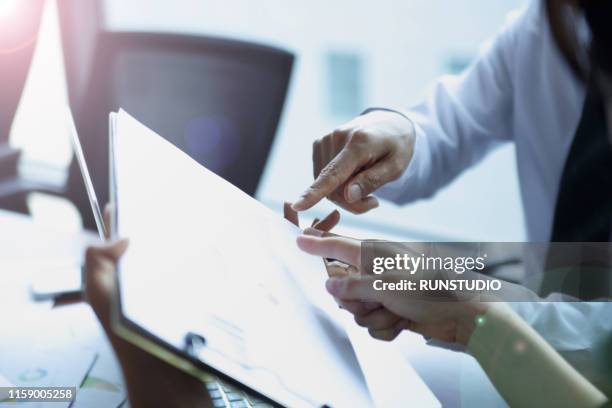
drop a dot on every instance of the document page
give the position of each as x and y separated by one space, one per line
206 258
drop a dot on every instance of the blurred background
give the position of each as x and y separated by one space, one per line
330 59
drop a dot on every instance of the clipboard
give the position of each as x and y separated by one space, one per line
200 352
288 379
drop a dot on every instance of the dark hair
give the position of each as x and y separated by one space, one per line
582 58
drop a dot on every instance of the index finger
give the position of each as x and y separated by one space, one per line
335 174
290 215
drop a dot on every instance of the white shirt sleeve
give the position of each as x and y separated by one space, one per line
568 326
461 119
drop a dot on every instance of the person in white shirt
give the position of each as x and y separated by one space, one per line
543 83
520 89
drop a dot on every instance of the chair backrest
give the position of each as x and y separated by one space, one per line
218 100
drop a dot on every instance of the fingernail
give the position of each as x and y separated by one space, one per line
333 286
296 205
354 193
313 231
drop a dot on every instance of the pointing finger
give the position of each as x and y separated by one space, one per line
332 176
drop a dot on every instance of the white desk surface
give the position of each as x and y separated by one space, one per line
69 336
454 377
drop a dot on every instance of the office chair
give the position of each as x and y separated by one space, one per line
218 100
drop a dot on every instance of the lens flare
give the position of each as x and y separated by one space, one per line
19 23
7 6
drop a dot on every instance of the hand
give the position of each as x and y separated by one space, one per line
150 381
380 322
445 320
358 158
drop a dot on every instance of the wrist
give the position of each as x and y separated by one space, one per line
471 315
490 329
409 131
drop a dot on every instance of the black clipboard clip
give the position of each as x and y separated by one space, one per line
193 343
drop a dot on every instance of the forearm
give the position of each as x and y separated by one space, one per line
153 382
523 367
576 330
461 119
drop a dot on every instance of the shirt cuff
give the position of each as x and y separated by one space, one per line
408 187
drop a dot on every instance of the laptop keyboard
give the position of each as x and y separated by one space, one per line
225 396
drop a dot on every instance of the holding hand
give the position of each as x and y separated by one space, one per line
387 312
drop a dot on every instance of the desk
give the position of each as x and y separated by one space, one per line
454 377
62 344
26 246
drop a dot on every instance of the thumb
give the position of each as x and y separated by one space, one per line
368 181
99 259
113 250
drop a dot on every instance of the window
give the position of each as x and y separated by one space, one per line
344 85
